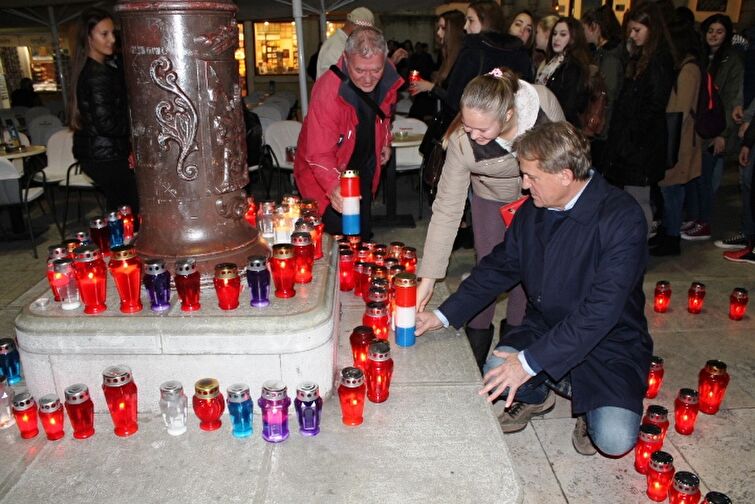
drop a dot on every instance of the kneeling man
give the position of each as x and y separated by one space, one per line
578 246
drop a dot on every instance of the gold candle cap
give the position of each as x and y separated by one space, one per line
405 280
207 388
715 367
224 271
123 252
283 251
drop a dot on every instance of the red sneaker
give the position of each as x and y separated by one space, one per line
697 232
744 255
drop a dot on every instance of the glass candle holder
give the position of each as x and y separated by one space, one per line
396 249
71 245
51 274
293 202
51 416
354 241
58 251
657 415
393 271
283 270
378 283
174 407
116 229
685 489
361 277
405 287
685 411
304 257
659 476
379 371
127 220
379 257
187 281
308 406
250 216
716 498
83 237
283 225
409 259
363 254
346 275
240 409
121 396
80 410
258 278
126 270
64 280
157 283
360 340
695 297
265 223
351 194
10 361
274 404
208 404
308 205
377 294
378 273
655 377
351 394
317 234
711 386
376 318
738 303
662 296
91 278
99 233
6 404
25 413
227 285
649 440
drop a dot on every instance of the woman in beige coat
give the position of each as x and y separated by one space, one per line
494 110
688 167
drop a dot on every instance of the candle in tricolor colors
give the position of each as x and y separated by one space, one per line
738 303
695 297
91 276
126 269
351 395
308 406
25 413
655 377
174 406
685 411
51 416
659 476
685 489
662 296
80 410
405 285
649 440
711 386
274 404
208 403
351 195
121 396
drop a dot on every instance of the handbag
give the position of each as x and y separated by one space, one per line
432 167
674 122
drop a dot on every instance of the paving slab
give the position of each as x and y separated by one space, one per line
536 476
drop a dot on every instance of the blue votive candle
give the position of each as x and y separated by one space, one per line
240 405
157 283
308 406
258 278
10 363
116 229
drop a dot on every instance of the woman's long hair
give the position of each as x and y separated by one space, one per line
88 20
647 14
722 51
605 19
451 43
489 13
576 50
531 42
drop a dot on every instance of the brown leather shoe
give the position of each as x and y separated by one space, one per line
519 414
581 439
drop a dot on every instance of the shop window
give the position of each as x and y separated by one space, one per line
275 48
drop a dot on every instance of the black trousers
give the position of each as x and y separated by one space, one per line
332 219
116 180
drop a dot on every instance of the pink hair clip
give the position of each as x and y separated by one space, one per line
496 72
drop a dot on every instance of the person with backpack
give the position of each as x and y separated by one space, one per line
566 70
637 144
726 68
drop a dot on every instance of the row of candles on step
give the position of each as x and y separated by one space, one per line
695 298
277 223
657 465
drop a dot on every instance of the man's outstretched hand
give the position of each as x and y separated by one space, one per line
426 321
509 375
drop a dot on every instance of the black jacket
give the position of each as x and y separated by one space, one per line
103 110
636 150
479 54
570 87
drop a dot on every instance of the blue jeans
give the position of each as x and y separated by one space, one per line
613 430
673 208
700 191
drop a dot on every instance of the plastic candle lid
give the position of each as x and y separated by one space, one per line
6 346
154 267
116 376
686 482
171 389
238 393
660 461
185 267
23 401
273 390
49 403
307 391
688 396
87 253
76 394
352 377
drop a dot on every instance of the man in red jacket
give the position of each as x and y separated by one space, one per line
348 127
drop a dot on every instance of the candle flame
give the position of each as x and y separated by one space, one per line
52 421
380 379
90 275
354 402
25 418
121 405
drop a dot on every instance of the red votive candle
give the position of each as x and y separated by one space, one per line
396 249
659 476
655 377
355 241
685 489
662 297
379 256
711 386
738 303
126 269
409 259
121 397
716 498
695 297
208 403
363 255
187 280
685 411
283 271
379 371
25 413
80 410
657 415
99 233
127 217
351 394
376 317
55 252
346 274
304 257
360 340
91 277
361 278
250 216
51 416
317 232
227 285
649 440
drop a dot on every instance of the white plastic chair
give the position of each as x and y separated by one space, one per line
403 106
59 157
409 158
42 127
78 181
282 104
35 112
15 193
268 112
278 136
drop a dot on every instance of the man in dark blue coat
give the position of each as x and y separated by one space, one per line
578 246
